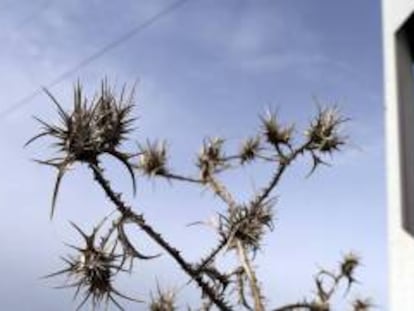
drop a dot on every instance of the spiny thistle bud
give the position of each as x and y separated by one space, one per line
349 263
274 133
210 157
153 158
348 266
362 305
249 149
92 271
113 121
323 133
88 131
164 301
246 224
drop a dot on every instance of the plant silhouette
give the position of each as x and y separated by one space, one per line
101 125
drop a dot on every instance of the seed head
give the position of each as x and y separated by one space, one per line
247 224
89 130
323 133
210 159
249 149
347 268
153 158
275 133
163 301
92 270
349 263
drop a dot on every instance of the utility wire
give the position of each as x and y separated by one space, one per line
86 61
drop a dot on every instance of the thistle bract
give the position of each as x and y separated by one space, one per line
153 159
247 225
249 149
323 133
210 158
274 132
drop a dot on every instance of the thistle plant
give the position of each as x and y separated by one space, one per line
101 126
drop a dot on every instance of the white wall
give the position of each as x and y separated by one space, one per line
399 87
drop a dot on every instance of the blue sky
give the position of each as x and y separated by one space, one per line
209 68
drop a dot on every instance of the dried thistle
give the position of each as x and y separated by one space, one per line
250 149
247 224
323 133
275 133
89 131
210 159
114 120
348 266
101 126
163 301
153 158
92 270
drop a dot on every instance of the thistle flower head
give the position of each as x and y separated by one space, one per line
89 130
323 133
153 158
92 270
347 268
274 132
249 149
212 149
349 263
210 158
113 122
163 301
247 225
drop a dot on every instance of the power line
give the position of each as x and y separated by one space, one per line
86 61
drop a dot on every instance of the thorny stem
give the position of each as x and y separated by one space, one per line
181 178
285 161
221 191
230 158
209 258
254 284
139 220
212 255
218 188
294 306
